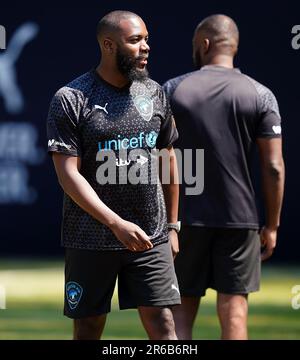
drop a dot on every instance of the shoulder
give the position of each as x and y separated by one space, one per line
153 88
152 85
171 85
75 89
266 97
260 88
70 98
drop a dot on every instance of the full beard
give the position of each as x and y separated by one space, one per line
128 67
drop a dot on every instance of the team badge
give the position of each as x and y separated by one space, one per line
151 139
276 129
144 106
73 294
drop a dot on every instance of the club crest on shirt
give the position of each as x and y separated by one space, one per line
151 139
144 106
73 293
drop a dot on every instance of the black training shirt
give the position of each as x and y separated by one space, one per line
223 112
88 117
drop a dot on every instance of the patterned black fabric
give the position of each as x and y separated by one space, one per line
89 117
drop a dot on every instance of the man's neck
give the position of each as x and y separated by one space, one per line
111 75
221 60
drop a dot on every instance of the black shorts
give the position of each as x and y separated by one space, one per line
144 279
227 260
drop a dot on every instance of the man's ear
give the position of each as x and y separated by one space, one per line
206 44
108 45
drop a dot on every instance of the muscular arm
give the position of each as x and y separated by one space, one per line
272 168
171 195
77 187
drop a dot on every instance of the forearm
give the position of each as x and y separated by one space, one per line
81 192
171 190
273 188
171 201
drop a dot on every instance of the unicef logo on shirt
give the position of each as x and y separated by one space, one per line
73 294
144 105
151 139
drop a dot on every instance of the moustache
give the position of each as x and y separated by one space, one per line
141 57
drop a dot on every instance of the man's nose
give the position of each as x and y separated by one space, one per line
145 46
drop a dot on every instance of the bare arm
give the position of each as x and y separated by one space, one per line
171 195
77 187
272 168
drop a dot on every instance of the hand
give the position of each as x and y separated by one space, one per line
268 241
132 236
174 242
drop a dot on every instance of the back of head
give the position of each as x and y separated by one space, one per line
110 23
222 33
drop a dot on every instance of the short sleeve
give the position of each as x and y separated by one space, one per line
62 124
269 124
168 133
170 86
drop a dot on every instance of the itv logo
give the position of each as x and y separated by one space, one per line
2 37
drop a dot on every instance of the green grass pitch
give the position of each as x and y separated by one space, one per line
34 302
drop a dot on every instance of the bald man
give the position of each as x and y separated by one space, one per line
102 130
226 113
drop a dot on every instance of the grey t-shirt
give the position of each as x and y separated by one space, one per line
89 116
223 112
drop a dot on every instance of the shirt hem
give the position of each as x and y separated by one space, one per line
224 225
115 248
63 151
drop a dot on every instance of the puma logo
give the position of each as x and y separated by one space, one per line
102 108
9 89
175 288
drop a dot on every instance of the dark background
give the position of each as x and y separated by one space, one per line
66 47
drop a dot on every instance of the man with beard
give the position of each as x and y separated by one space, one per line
113 227
226 113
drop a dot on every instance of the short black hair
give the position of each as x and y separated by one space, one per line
220 29
111 21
